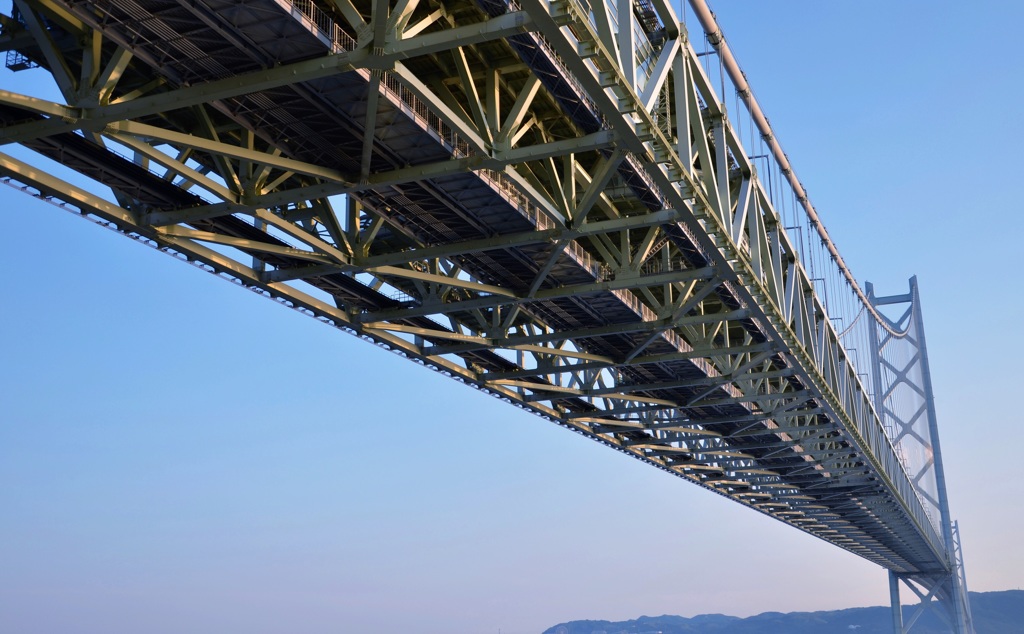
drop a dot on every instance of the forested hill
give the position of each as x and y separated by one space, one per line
994 613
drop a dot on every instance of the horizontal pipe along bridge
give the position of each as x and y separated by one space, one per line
545 200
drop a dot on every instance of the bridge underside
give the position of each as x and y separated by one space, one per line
577 231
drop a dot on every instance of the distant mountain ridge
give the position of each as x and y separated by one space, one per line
993 612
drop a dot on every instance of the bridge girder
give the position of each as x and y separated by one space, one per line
597 248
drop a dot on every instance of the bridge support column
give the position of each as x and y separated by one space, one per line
894 601
940 593
904 400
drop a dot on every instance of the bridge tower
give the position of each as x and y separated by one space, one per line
906 403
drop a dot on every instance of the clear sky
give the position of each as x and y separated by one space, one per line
179 455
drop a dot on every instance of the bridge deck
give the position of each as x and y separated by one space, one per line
633 332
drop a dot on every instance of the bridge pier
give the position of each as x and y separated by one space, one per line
942 594
904 399
894 601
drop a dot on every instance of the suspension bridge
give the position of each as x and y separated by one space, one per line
577 207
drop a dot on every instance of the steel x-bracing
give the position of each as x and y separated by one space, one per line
546 200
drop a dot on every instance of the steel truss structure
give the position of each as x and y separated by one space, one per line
545 200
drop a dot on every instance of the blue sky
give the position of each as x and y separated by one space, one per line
180 455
